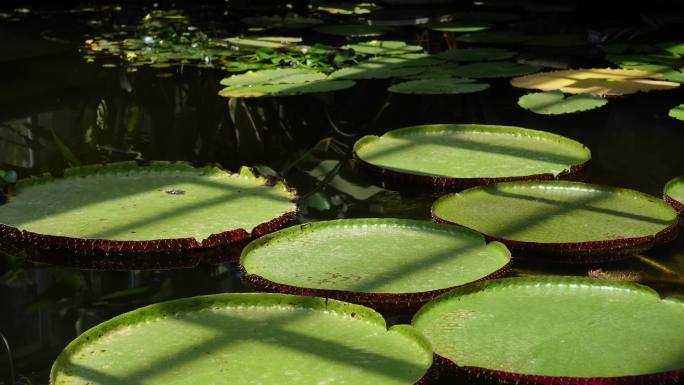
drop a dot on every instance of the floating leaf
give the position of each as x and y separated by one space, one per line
340 8
559 329
380 47
273 76
437 87
497 69
567 220
405 262
556 103
264 41
461 26
677 112
475 54
353 30
274 338
290 89
674 193
385 67
123 208
598 81
467 154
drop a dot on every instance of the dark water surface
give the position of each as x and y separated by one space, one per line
57 109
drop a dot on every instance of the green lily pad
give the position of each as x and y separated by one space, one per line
567 218
404 262
285 22
495 69
385 67
380 47
291 89
353 30
341 8
437 86
468 154
123 208
677 112
264 41
491 17
557 330
556 103
273 76
552 330
674 193
247 339
461 26
475 54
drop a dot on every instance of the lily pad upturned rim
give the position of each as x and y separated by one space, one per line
500 376
574 252
198 303
443 182
96 248
678 205
383 301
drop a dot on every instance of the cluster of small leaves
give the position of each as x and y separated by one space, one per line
664 58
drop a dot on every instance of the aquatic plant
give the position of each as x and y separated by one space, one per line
556 103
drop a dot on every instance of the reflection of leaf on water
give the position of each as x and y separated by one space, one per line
64 289
328 172
66 152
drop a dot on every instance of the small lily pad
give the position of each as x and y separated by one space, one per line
557 330
404 262
380 47
353 30
494 37
556 103
674 193
563 221
461 26
469 154
475 54
598 81
342 8
677 112
494 69
437 86
112 216
274 338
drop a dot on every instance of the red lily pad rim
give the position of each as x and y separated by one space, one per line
449 182
500 376
174 245
615 247
384 301
191 304
678 205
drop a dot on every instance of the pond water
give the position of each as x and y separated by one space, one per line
65 105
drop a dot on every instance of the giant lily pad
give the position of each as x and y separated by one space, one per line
494 69
556 103
385 67
388 263
287 22
558 330
386 47
290 89
674 193
245 339
598 81
466 154
280 82
353 30
567 221
461 26
123 215
437 86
